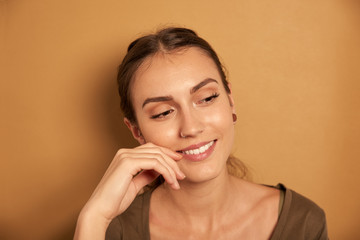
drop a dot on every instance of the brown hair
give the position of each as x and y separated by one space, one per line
166 40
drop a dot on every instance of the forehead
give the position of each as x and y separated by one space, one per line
163 73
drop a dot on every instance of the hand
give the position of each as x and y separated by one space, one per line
128 173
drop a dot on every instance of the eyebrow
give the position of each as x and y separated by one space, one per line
169 98
201 84
157 99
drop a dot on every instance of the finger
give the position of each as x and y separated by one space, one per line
156 165
173 154
131 164
144 178
163 158
174 166
148 176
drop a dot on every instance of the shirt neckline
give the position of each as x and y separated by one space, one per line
277 230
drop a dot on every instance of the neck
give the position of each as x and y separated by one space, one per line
206 199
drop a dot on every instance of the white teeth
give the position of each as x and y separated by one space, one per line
200 149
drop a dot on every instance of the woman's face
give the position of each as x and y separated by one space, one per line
180 103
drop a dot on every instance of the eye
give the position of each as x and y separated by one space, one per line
162 115
209 99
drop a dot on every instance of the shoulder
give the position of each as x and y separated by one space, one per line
132 223
300 218
300 207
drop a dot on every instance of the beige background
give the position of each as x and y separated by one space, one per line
294 70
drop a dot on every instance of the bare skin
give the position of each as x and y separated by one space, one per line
247 211
181 105
120 185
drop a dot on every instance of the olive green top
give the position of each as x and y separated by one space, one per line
299 219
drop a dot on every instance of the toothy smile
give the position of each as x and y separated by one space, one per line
199 150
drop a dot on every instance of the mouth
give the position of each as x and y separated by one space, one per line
198 151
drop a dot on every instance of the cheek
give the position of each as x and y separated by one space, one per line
160 134
221 122
221 117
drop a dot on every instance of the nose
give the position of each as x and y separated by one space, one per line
191 124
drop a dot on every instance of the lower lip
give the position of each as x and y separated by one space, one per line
200 156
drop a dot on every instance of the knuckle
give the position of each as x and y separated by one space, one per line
120 151
161 150
150 144
125 161
158 155
158 165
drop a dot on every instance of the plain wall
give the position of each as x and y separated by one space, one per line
294 71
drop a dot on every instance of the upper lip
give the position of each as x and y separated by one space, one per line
195 146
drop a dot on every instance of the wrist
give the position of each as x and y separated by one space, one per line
90 225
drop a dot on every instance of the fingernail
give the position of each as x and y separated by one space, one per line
180 175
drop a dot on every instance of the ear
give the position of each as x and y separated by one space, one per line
135 130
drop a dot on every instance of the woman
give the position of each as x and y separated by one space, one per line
178 105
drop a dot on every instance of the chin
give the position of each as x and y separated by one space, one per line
201 174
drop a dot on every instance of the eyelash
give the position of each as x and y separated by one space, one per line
163 114
205 101
210 98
